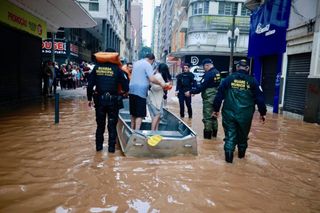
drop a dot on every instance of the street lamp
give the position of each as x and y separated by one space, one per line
233 36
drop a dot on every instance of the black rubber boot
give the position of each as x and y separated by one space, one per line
207 134
229 157
99 147
241 153
111 148
214 133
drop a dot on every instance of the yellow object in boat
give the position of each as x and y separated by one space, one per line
154 140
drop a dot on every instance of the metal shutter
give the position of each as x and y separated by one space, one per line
296 83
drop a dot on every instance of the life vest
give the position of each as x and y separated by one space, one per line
108 57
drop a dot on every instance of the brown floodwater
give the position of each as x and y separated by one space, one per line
54 168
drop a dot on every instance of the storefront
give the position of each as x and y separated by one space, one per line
296 83
21 35
220 62
64 51
267 43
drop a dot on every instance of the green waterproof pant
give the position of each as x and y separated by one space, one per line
208 96
236 128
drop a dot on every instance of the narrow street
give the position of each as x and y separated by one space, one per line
47 167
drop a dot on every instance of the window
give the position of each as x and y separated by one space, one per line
244 10
225 8
93 5
200 8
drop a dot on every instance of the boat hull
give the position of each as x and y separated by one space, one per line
177 137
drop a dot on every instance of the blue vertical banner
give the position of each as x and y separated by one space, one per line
268 27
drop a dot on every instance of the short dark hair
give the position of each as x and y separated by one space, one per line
110 50
186 64
129 63
150 56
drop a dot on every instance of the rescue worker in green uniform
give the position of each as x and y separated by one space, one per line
240 92
208 89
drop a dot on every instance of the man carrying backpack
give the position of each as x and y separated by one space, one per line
185 82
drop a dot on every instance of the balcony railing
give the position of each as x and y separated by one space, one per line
217 23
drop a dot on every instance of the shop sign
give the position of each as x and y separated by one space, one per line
22 20
74 50
59 47
268 28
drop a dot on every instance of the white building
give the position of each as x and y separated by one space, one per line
110 16
209 32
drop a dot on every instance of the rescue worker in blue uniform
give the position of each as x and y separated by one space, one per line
185 82
106 78
240 92
208 89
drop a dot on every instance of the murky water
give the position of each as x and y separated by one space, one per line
54 168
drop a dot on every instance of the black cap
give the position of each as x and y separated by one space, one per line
243 63
207 61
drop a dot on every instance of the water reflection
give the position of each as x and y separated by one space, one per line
54 168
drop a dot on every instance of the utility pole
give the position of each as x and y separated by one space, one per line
232 40
53 35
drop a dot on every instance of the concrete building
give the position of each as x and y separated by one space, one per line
179 34
294 87
136 17
301 67
155 39
110 18
209 32
23 25
166 18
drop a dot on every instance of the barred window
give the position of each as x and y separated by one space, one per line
200 8
94 5
244 10
225 8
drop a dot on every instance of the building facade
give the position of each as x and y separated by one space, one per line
291 79
23 27
166 18
156 33
110 16
301 69
136 17
209 30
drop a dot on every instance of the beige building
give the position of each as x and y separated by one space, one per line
202 29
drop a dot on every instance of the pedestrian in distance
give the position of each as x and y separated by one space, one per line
208 89
240 92
142 75
185 82
105 77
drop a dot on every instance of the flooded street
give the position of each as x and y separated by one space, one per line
54 168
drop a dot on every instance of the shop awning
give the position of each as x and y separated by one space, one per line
58 13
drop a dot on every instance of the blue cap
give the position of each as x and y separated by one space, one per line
207 61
